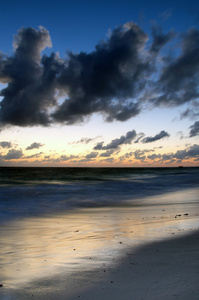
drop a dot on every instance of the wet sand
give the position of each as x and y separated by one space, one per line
159 270
149 251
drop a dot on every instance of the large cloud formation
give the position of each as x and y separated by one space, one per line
117 79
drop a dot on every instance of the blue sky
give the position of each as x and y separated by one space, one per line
145 113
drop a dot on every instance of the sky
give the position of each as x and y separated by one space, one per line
99 83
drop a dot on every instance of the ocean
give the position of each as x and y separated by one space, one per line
35 191
63 220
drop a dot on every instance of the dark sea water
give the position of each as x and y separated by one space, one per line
35 191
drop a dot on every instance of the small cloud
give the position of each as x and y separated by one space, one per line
108 153
66 158
13 154
154 156
99 146
157 137
140 155
126 156
194 129
62 158
116 143
91 155
5 144
109 160
34 146
191 112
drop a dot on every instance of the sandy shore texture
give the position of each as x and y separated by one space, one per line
158 270
163 270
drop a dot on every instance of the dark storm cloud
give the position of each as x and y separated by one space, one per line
194 129
34 146
178 82
13 154
106 80
116 143
117 79
28 95
157 137
5 144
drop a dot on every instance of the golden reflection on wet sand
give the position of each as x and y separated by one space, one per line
32 248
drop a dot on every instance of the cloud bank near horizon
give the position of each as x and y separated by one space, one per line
125 73
145 156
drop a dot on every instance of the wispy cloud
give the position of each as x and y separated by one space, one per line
85 140
36 155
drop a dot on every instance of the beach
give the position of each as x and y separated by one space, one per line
143 247
160 270
164 269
